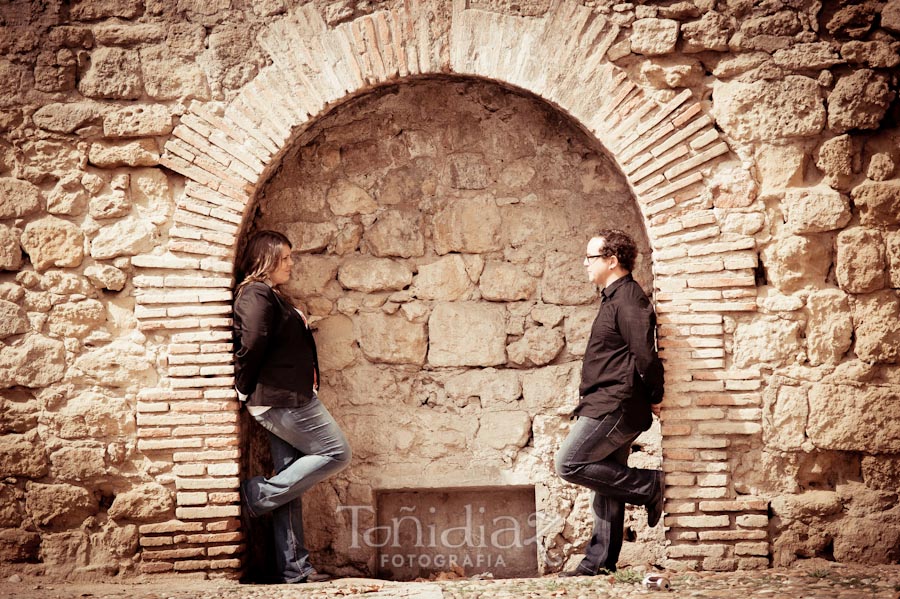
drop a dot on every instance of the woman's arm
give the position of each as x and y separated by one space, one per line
255 313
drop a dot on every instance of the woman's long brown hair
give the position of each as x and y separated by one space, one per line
260 259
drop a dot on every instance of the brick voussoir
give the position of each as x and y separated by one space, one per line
242 115
200 145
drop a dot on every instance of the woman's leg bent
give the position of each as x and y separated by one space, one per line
322 450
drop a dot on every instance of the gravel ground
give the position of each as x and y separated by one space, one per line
813 579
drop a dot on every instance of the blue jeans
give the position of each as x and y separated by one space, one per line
307 446
595 455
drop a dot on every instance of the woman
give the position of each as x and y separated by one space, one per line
277 374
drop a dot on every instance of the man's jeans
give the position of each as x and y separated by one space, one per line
307 446
595 455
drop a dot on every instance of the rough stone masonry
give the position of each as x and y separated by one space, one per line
438 167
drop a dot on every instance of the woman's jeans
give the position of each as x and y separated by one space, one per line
307 446
595 455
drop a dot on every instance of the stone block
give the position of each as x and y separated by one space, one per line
467 170
796 262
23 455
552 387
112 154
13 320
526 224
881 471
55 71
890 16
336 341
784 418
17 546
104 276
142 503
781 166
711 32
391 339
58 506
311 275
10 250
346 199
396 232
170 77
506 428
35 361
18 198
91 415
812 56
815 210
851 418
469 226
69 197
672 72
838 158
118 364
881 167
829 331
113 74
868 540
505 282
467 334
878 202
654 37
51 241
539 346
859 100
876 320
860 262
76 319
445 279
64 118
77 464
90 10
564 281
493 387
767 341
140 120
875 54
308 237
374 274
127 237
755 111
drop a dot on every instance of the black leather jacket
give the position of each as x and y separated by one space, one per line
275 354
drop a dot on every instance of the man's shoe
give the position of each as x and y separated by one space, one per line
317 577
655 505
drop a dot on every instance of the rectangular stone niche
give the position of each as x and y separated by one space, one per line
461 531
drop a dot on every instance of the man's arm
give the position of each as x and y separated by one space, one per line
637 325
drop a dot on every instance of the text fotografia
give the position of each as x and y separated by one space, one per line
419 538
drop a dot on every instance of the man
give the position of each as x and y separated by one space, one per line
621 385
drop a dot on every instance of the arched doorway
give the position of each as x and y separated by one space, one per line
438 229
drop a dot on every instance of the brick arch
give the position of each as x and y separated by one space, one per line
668 152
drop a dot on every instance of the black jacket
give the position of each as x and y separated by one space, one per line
275 353
621 367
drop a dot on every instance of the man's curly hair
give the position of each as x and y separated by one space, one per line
619 244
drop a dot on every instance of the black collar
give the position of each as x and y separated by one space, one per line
608 291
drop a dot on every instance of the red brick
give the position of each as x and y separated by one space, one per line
156 567
224 525
175 554
170 526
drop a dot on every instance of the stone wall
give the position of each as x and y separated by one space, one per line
759 143
439 231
